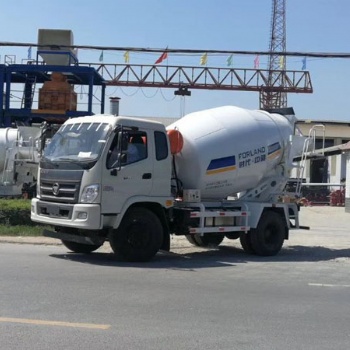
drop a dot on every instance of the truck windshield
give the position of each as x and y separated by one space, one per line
80 142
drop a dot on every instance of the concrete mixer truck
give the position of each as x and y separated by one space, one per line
20 150
212 174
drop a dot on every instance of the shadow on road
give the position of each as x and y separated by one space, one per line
213 257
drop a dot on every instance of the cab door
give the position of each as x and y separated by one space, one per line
128 170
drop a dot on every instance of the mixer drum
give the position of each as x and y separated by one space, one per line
227 150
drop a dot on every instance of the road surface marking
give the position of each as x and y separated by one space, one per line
55 323
329 285
227 263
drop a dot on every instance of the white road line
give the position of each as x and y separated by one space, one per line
54 323
329 285
227 263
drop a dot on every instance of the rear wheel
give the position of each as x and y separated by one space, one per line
233 235
139 236
246 243
267 239
206 240
81 247
191 240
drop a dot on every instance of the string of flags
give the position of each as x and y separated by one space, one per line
203 61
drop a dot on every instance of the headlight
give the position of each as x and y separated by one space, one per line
90 193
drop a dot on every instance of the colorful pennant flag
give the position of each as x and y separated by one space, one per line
304 63
281 62
126 57
162 57
256 62
101 57
204 59
29 53
230 61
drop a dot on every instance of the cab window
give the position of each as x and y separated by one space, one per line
131 148
161 145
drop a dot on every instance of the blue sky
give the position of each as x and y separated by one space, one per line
312 26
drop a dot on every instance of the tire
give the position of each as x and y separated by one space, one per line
206 240
233 235
191 240
139 236
80 247
267 239
246 243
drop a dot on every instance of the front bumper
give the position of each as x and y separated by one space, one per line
84 216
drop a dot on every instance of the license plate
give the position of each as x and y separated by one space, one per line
53 210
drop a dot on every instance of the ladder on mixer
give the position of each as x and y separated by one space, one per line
308 149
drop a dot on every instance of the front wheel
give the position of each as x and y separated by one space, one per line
267 239
139 236
80 247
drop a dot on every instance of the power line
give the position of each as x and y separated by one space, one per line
181 51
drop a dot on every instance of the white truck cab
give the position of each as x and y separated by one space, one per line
92 172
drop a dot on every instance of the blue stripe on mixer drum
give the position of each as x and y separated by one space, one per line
274 150
221 165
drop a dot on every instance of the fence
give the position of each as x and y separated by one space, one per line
332 194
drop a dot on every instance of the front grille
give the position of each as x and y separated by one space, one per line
60 191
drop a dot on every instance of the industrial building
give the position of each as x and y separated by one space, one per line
329 133
326 175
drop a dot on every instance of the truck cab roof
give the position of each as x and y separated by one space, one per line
118 120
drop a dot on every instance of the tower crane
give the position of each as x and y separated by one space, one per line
274 94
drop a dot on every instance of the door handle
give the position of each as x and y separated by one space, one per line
146 176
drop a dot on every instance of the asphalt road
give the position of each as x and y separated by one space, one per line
190 298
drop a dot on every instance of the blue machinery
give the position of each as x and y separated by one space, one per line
22 79
20 109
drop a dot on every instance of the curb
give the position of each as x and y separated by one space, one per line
30 240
